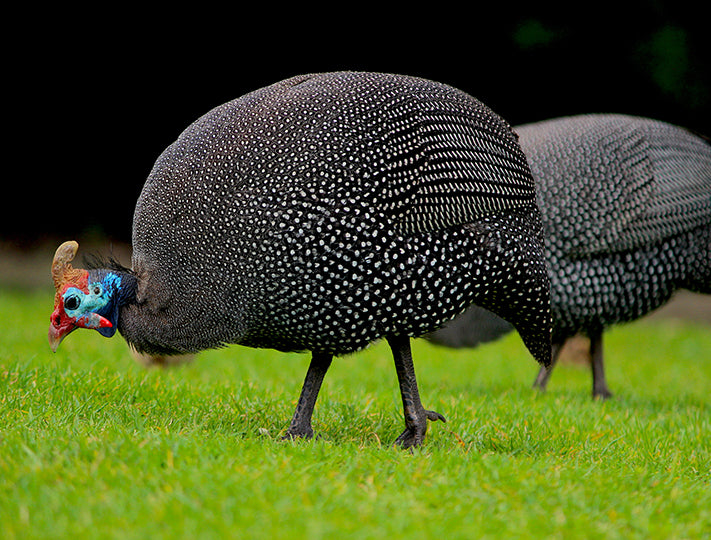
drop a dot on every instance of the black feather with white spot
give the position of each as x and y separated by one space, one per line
626 205
327 211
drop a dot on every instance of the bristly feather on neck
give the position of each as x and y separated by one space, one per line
95 261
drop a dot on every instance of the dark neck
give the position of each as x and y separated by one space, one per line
145 328
129 289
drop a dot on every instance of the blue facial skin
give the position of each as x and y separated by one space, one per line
102 299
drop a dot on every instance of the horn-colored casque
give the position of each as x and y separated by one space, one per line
62 270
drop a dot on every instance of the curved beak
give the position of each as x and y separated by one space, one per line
61 326
57 332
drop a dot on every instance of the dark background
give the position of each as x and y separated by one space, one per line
94 97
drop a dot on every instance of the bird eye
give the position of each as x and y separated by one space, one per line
97 289
71 302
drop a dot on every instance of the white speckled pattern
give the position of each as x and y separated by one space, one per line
327 211
626 205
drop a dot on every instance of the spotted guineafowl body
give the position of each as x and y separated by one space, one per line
633 228
626 205
327 211
330 210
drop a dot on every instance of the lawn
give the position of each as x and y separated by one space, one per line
92 445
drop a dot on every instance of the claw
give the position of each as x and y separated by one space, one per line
291 435
415 433
434 416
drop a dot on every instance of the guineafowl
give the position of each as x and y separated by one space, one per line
320 214
626 205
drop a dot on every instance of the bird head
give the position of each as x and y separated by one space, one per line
83 298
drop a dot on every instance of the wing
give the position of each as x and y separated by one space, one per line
447 160
614 182
681 198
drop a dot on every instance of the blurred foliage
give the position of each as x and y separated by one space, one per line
667 56
532 33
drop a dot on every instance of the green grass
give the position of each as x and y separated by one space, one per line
92 445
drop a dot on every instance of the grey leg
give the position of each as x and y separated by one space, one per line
416 415
545 373
301 422
600 389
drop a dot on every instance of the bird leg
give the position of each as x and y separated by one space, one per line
600 389
416 415
545 372
300 426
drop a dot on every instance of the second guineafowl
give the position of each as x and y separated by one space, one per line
320 214
626 205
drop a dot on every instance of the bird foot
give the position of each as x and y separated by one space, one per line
602 394
414 434
298 433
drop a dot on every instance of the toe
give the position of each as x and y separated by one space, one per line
434 416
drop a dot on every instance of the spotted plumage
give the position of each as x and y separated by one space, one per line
330 210
626 205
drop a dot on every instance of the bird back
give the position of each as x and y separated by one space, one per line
611 183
